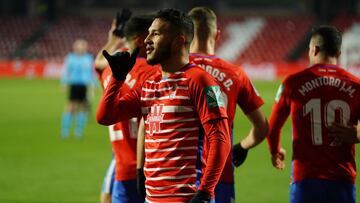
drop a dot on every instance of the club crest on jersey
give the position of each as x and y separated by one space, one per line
154 118
213 96
173 93
279 93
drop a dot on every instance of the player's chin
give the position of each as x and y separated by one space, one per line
151 60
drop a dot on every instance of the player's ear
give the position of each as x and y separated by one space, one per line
181 39
218 35
140 40
338 54
316 50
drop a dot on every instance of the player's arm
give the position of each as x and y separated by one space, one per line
65 75
218 138
346 134
279 115
113 43
256 135
209 104
114 106
250 102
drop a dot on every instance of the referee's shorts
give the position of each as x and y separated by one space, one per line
78 93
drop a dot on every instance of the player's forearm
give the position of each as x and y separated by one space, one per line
259 130
255 137
108 112
218 137
140 149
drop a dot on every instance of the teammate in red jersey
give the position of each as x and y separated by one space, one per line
236 88
181 107
323 167
123 134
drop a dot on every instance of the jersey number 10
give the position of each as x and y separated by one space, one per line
314 108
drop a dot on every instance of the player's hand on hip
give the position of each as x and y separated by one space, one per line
278 159
239 155
201 197
343 133
121 63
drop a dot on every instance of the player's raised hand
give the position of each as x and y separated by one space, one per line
201 197
121 18
278 160
239 155
345 134
121 63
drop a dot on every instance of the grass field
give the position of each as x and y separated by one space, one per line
37 166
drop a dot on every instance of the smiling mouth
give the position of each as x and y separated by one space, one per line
149 49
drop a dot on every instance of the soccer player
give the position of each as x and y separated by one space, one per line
323 167
78 75
181 107
123 134
236 88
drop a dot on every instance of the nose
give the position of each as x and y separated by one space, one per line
147 39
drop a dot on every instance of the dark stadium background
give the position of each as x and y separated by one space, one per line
268 38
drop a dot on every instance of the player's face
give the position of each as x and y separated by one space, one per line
159 42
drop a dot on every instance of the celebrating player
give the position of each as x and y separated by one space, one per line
181 107
323 167
237 89
123 134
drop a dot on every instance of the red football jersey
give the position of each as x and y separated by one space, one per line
123 134
175 109
237 89
316 97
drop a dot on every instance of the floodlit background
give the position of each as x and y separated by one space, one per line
268 38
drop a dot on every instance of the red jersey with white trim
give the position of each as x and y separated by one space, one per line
178 111
316 97
237 89
123 134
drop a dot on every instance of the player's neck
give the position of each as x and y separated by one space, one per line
175 63
326 60
205 48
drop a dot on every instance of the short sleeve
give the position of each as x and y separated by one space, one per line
248 98
206 95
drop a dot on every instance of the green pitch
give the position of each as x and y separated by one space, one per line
36 166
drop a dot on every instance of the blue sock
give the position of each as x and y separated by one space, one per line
81 118
66 124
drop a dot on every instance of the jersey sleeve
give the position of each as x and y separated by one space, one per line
115 105
248 98
279 114
206 95
210 106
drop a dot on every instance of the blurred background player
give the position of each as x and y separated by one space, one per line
114 42
175 106
236 88
123 134
323 167
78 76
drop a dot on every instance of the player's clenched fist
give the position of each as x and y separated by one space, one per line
121 63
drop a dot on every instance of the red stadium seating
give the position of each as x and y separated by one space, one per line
58 41
278 36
